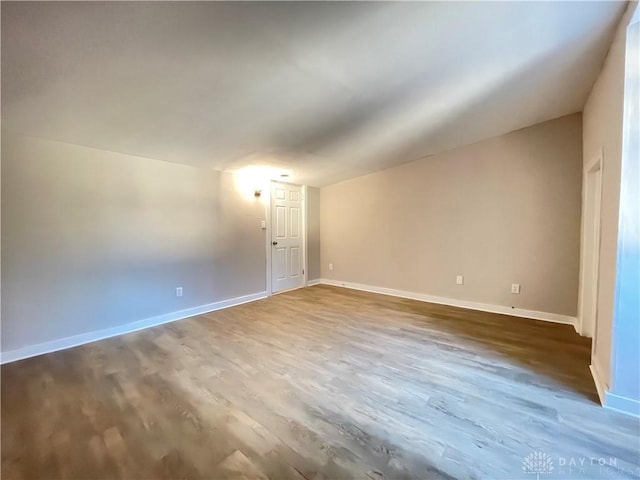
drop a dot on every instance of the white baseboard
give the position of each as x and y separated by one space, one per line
600 387
316 281
483 307
612 401
629 406
580 328
83 338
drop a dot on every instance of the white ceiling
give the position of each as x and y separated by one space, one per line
327 90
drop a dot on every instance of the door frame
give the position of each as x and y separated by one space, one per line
597 163
269 250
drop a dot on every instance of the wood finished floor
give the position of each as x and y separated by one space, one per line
317 383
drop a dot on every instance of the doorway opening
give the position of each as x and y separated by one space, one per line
588 300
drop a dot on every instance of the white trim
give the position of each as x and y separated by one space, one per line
483 307
316 281
305 266
618 403
267 216
83 338
596 164
599 385
288 290
611 401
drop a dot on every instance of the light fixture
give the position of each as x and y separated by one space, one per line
253 180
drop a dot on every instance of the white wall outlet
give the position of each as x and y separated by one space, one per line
263 224
515 288
459 280
331 266
179 292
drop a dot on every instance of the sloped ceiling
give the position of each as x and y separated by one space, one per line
328 91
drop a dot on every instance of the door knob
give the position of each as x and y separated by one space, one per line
274 243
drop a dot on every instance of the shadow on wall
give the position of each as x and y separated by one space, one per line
101 239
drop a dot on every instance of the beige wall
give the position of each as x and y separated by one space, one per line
94 239
501 211
313 233
603 114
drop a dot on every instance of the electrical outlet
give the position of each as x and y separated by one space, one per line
179 292
515 288
459 280
331 266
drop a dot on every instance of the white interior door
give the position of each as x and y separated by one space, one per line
591 249
287 261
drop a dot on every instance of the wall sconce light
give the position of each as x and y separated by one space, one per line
257 193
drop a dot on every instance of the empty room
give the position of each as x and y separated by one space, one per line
320 240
